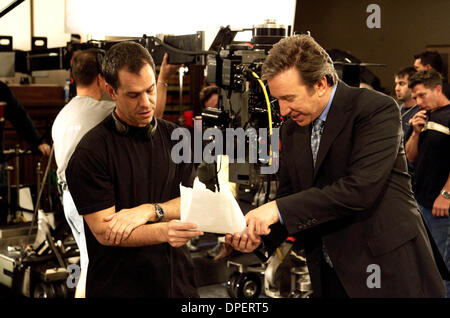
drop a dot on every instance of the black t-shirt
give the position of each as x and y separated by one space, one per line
110 169
433 163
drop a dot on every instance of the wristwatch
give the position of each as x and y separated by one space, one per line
159 212
445 194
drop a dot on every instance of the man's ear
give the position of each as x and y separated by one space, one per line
438 89
428 67
100 80
111 92
321 86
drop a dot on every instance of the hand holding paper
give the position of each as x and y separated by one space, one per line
242 242
258 221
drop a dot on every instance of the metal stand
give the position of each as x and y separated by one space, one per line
39 270
246 281
10 216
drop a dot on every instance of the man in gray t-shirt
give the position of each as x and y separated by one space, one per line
79 116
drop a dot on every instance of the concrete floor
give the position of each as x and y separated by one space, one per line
213 291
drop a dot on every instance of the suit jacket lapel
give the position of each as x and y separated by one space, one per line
336 119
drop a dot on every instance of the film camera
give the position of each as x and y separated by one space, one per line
243 98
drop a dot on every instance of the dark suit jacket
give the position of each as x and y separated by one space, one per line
358 199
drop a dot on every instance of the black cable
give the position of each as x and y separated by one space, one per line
177 50
10 7
168 46
217 174
266 197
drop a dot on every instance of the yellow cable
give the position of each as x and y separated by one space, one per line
269 112
280 256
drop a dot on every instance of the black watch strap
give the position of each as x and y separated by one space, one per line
445 194
159 212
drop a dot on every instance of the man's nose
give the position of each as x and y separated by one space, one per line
284 109
419 102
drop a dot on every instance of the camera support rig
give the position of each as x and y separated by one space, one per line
243 98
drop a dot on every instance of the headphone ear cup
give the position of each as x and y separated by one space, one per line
120 127
152 128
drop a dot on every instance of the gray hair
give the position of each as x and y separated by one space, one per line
303 53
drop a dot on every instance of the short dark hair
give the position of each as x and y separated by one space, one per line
433 58
206 93
303 53
85 66
409 70
127 54
429 79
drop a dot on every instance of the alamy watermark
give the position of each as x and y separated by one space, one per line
373 21
263 148
74 271
374 279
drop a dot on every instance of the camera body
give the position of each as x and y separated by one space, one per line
242 101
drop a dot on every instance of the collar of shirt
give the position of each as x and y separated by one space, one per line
324 114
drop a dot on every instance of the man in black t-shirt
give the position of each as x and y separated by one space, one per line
126 186
432 60
429 149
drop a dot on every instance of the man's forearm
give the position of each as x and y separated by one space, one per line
412 147
175 233
112 227
161 97
141 235
171 209
144 235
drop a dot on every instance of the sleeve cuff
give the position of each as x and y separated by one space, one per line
279 217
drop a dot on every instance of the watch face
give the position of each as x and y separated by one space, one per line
159 212
445 194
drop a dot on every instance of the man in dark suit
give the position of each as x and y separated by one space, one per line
344 189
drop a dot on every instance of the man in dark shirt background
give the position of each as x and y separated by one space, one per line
17 115
429 149
12 110
408 107
432 60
